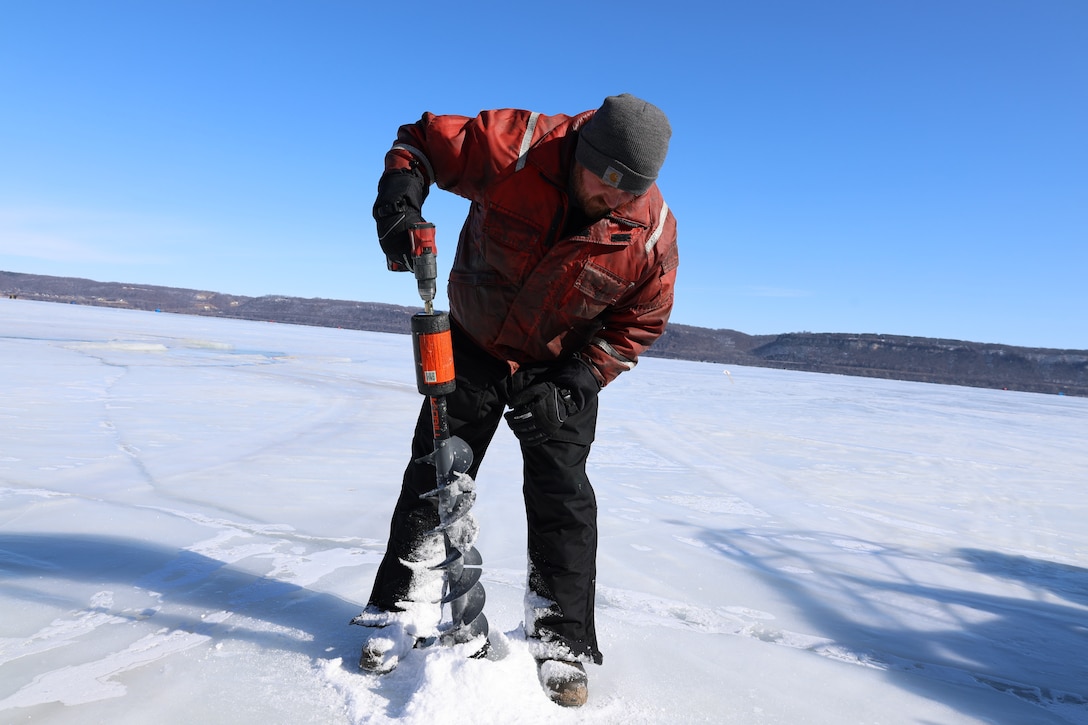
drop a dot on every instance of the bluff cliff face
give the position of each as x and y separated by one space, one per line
952 362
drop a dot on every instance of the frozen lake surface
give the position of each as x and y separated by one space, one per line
191 510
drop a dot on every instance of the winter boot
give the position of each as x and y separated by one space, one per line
383 648
391 635
565 683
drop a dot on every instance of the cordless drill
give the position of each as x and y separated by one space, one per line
424 262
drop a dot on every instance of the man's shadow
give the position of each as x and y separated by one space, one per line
180 579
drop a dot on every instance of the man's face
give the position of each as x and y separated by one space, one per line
594 196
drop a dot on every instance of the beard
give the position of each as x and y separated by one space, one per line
593 207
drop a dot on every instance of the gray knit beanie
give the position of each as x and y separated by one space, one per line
625 143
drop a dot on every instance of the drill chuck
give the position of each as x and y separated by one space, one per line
426 269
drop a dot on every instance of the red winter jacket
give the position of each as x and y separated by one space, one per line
520 286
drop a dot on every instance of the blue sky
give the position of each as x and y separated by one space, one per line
901 167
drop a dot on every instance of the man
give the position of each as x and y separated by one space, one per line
563 276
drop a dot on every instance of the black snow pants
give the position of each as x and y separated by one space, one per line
560 506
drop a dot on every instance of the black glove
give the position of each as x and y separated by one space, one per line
540 410
399 205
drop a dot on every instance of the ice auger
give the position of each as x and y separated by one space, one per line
454 492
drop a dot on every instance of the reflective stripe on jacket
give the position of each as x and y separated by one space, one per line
524 287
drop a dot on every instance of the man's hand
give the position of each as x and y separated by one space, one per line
538 411
399 205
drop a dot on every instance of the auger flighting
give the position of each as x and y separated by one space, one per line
454 491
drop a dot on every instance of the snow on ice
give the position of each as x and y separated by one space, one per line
192 510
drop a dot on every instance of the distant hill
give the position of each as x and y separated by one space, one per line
952 362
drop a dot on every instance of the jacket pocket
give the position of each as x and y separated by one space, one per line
510 243
596 289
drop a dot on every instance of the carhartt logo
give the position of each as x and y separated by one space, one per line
612 177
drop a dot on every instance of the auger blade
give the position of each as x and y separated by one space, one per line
457 510
454 487
471 557
467 609
465 633
478 626
468 613
452 556
460 455
463 584
450 456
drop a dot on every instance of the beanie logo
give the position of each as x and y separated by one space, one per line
612 177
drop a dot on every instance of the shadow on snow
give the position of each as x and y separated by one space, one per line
1033 647
185 578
